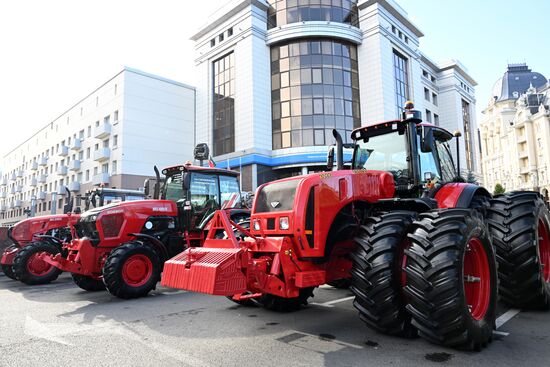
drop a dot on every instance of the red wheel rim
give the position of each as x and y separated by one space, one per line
38 267
544 250
477 279
137 270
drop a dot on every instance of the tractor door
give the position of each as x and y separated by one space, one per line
204 195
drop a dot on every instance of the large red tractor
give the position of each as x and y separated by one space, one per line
123 246
414 239
50 233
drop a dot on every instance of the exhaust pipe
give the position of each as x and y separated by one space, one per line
339 150
156 191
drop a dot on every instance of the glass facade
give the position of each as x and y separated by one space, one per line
467 135
223 100
283 12
401 73
315 88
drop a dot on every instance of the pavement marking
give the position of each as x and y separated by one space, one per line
332 303
507 316
501 333
346 344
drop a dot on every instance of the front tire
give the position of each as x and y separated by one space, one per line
8 271
519 223
29 269
377 273
132 270
281 304
451 284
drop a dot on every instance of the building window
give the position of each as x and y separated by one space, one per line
115 166
87 175
292 11
467 135
115 116
426 94
212 42
230 32
220 37
224 105
116 87
429 116
436 119
89 131
434 99
115 141
315 88
87 153
401 74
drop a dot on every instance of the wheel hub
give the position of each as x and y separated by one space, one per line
38 267
544 250
477 282
137 270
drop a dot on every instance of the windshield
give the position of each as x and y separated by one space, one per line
174 187
230 192
387 152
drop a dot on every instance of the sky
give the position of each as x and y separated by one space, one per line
55 52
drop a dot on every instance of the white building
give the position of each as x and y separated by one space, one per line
278 76
113 137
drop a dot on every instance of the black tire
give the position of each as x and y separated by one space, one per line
515 220
442 242
280 304
88 283
340 283
8 271
21 264
120 285
377 273
481 204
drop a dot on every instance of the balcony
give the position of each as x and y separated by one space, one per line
10 205
3 182
74 186
74 165
523 153
524 170
61 190
34 166
62 170
15 189
17 203
42 178
41 195
102 131
33 182
76 144
102 178
20 173
43 161
63 151
13 176
3 194
102 154
3 208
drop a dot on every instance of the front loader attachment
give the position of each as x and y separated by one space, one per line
216 268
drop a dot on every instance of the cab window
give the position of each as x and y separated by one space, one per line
230 192
204 191
448 172
174 187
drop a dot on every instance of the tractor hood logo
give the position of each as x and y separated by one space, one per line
274 204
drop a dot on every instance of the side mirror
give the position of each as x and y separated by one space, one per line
330 158
147 187
427 142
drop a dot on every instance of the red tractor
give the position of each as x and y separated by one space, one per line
416 242
123 246
49 234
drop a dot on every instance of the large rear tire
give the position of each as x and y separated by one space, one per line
519 223
377 273
88 283
132 270
280 304
8 271
29 269
451 283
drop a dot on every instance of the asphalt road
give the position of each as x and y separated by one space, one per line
59 324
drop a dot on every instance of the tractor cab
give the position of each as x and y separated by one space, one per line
417 154
102 196
199 191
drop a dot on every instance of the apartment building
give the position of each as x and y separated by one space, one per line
112 137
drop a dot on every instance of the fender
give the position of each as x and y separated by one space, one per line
458 194
156 243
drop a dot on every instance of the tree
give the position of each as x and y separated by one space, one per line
471 177
499 189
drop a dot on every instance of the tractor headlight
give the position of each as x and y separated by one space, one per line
256 225
283 223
